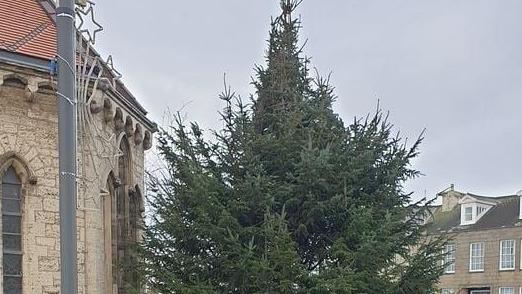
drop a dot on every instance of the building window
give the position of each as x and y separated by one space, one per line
449 258
447 291
476 257
468 214
109 235
480 209
122 218
121 227
480 291
12 232
507 255
506 290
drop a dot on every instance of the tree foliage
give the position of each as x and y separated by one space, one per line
286 198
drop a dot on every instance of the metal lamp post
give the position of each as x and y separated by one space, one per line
65 16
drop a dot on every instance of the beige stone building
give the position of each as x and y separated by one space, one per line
485 254
113 134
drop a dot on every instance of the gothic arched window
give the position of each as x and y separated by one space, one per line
122 219
109 236
12 232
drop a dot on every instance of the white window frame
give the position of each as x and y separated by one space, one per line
470 214
476 209
521 261
447 291
501 254
445 260
506 288
482 250
481 210
19 214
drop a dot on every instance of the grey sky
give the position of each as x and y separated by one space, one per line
453 67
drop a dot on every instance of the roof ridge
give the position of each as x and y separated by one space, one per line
490 197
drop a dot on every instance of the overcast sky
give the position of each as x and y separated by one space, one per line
453 67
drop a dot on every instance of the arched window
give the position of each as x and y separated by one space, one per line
12 231
122 217
135 219
135 210
109 237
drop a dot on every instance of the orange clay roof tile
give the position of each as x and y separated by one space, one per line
26 28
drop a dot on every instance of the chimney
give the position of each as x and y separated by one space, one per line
450 198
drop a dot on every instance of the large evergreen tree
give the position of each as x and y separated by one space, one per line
287 198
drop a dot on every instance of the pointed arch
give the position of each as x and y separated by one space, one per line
20 165
122 220
110 242
125 160
14 174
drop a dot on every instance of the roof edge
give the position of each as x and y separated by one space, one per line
127 92
152 126
24 60
50 7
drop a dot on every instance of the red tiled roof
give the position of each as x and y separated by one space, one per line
26 28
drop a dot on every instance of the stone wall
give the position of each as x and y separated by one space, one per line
29 136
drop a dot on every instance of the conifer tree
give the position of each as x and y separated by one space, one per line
286 198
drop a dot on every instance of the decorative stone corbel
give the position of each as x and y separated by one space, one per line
108 114
95 108
30 90
138 136
29 95
129 127
118 120
147 141
104 84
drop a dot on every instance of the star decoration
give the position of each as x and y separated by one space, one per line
116 75
90 35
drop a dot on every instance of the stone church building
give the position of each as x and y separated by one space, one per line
113 134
